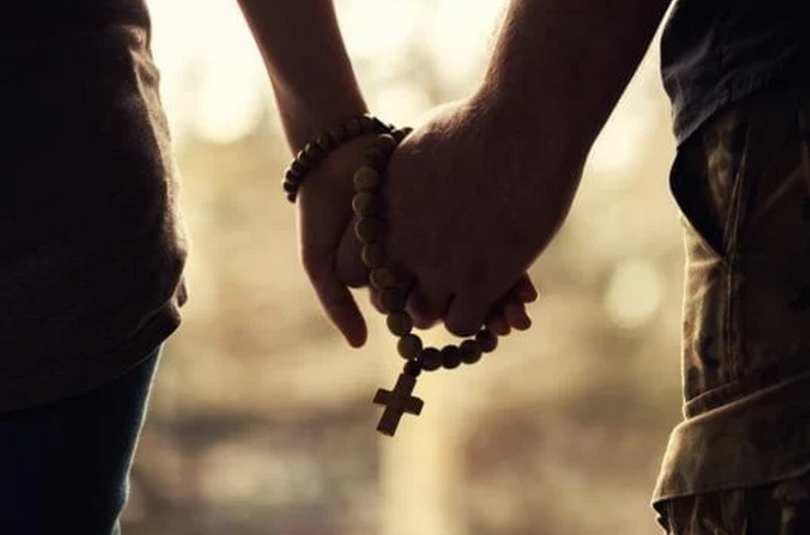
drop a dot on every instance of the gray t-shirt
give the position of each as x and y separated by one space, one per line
91 241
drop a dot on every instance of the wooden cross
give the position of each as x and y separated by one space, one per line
397 402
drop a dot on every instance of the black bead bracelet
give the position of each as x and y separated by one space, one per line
316 150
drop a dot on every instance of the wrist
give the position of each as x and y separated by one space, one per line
542 158
528 128
304 116
317 149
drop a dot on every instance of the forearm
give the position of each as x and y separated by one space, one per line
560 66
312 78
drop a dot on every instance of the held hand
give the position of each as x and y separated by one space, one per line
324 212
507 314
325 219
470 205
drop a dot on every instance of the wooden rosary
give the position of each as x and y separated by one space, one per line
370 230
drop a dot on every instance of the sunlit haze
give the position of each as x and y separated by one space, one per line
262 421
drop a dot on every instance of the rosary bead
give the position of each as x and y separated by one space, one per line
409 346
431 359
413 368
366 178
373 255
292 197
369 230
365 203
392 299
399 323
470 352
353 129
451 357
376 159
487 340
381 277
385 143
290 187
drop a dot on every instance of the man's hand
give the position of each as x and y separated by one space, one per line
477 191
331 254
470 207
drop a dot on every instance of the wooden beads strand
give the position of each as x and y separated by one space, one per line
370 229
316 150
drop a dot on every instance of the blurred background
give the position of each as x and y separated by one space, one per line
261 421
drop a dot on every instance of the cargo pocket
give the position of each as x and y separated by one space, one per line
707 183
771 296
688 182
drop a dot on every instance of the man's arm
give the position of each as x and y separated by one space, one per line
567 62
311 75
480 189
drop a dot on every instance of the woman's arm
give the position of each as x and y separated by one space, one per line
310 71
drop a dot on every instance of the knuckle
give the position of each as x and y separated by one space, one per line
461 327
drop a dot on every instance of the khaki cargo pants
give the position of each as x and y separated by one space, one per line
743 185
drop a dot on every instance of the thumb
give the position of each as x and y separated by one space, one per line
337 301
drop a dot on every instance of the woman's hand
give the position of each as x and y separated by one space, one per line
325 213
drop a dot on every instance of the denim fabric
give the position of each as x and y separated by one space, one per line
64 467
715 52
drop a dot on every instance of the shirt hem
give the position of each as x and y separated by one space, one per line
74 378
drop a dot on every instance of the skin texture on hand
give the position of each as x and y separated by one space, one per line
466 221
330 251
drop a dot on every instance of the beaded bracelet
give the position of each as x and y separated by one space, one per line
370 229
316 150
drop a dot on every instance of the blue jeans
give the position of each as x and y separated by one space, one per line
64 467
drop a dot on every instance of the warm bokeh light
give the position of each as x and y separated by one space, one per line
213 80
261 421
634 293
